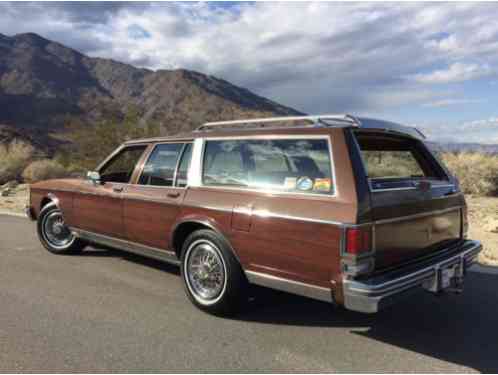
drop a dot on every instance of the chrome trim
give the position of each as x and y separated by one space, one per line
132 247
290 286
417 216
406 188
367 297
194 173
270 137
267 214
349 119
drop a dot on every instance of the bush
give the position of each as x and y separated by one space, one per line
14 158
478 173
43 170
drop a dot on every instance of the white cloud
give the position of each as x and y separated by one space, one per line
478 131
456 72
316 57
449 102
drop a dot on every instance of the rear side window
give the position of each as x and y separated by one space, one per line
395 158
160 167
288 165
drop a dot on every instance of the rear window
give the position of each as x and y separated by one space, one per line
395 158
288 165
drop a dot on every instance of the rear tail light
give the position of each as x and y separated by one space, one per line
358 241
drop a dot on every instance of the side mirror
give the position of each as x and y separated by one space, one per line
94 177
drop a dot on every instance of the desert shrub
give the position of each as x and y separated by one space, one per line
43 170
390 164
14 157
478 173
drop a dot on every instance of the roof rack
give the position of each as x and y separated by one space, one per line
318 120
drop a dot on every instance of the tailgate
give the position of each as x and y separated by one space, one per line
414 202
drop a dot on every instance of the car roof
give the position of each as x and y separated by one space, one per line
305 124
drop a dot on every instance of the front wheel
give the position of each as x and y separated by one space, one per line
53 233
212 276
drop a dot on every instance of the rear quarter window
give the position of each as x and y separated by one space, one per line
285 165
390 158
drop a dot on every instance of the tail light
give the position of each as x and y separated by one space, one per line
358 251
358 241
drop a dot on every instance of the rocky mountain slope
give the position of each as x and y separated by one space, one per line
43 83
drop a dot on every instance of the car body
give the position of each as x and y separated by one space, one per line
292 205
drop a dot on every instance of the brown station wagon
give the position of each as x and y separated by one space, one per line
352 211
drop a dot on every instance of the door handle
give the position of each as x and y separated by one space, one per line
117 189
173 195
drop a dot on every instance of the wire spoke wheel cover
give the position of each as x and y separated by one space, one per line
205 271
55 231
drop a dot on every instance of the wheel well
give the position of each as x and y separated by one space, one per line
182 232
44 202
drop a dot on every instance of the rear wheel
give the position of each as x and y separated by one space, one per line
53 233
212 276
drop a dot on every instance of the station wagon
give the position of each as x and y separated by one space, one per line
353 211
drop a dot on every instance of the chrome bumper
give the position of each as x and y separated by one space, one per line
28 210
370 295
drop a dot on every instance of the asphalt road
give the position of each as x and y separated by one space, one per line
107 311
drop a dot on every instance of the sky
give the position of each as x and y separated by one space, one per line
432 65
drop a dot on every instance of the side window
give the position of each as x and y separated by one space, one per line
121 167
292 165
160 167
223 164
182 173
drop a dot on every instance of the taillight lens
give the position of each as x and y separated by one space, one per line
358 241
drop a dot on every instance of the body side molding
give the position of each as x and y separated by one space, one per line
132 247
290 286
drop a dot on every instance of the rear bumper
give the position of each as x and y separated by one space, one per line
372 294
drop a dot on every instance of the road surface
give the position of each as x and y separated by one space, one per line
107 311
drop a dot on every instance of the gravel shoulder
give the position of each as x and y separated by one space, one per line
483 216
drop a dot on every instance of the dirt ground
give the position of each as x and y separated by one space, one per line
483 216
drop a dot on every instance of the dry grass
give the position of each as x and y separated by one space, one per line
478 173
43 170
14 158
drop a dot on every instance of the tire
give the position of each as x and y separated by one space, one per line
220 273
53 233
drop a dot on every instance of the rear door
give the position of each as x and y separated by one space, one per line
414 202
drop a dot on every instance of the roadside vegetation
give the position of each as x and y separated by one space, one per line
87 146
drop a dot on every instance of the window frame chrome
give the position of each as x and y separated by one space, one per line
201 150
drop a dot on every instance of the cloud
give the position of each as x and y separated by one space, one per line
449 102
316 57
457 72
478 131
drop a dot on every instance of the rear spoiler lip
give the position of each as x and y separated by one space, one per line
392 127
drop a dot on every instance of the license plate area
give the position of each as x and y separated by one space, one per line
447 277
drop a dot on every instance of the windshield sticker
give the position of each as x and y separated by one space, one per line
305 183
322 184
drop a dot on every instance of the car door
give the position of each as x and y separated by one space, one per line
153 202
98 207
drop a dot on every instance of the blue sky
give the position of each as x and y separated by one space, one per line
433 65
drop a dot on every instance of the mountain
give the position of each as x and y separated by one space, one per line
465 147
43 83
